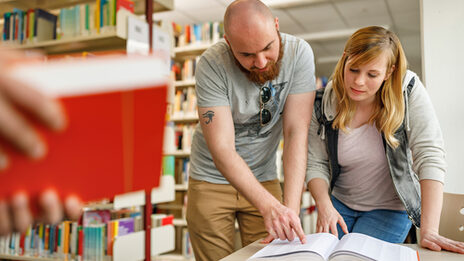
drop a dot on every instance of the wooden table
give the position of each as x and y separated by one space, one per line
424 254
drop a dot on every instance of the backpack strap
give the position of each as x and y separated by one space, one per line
410 85
318 110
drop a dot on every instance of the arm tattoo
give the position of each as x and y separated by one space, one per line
209 116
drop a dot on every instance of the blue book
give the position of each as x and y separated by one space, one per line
197 32
20 15
44 25
102 4
13 28
6 26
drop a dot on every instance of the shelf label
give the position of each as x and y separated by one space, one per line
137 36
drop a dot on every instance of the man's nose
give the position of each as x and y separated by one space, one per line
260 61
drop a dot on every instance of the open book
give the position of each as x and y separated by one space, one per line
325 246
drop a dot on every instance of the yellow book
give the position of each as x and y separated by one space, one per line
66 237
115 228
41 231
97 16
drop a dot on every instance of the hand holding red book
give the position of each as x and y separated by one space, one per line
15 129
112 142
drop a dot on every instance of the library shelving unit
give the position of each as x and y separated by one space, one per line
142 245
111 39
139 5
181 54
132 247
178 207
179 154
184 84
191 50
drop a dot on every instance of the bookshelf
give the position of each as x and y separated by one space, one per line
131 246
139 5
90 43
158 6
25 258
187 119
114 38
184 83
138 245
183 117
181 187
178 153
191 50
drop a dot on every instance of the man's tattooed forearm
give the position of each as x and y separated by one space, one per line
209 116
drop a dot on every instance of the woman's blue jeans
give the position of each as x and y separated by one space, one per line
388 225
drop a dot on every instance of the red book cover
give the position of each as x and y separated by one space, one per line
129 5
80 250
16 27
187 34
47 236
27 25
169 220
112 144
21 241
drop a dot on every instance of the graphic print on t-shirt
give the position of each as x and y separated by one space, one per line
252 127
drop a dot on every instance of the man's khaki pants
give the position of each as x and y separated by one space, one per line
211 212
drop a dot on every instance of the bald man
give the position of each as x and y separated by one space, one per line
251 87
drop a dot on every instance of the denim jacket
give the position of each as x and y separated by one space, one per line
420 147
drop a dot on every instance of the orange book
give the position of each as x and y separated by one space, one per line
66 237
112 144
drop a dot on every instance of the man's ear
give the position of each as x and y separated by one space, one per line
227 40
276 21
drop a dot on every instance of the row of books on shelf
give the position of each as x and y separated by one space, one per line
187 250
158 220
177 207
177 167
185 103
36 25
178 137
90 240
200 33
185 70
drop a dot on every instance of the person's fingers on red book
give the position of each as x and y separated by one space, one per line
73 208
54 211
20 211
17 99
51 208
5 221
46 110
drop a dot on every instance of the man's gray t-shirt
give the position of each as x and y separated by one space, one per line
220 82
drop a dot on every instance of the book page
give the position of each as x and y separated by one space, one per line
372 249
321 244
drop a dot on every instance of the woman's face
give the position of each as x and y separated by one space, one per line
363 81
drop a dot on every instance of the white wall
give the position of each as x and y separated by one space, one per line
442 33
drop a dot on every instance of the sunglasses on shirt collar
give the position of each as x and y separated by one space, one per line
265 95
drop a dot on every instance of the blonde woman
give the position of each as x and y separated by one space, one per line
375 147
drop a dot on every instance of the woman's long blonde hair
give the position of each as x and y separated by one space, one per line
365 45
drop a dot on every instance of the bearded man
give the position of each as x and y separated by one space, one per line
251 87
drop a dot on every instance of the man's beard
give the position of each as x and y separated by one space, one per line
273 68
